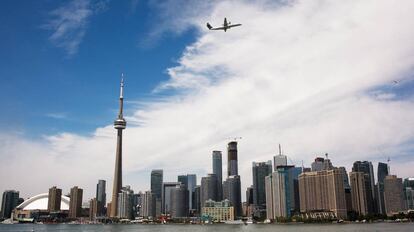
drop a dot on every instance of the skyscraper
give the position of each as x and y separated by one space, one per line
156 182
100 198
232 168
249 195
192 183
166 196
75 206
382 172
283 196
232 192
323 191
208 189
269 197
54 199
93 209
393 195
179 201
359 194
279 160
197 199
260 170
119 124
218 171
366 167
9 201
183 179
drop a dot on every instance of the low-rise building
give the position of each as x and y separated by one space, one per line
218 211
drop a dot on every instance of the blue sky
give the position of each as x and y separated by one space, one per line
315 76
47 89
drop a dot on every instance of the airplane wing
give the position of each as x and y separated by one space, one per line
234 25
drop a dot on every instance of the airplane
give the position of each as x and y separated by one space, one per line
226 25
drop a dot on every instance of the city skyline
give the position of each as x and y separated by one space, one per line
331 91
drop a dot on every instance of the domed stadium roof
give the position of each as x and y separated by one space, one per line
39 202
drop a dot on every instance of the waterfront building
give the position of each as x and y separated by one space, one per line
75 206
359 183
9 201
101 197
179 201
382 172
393 195
125 203
218 211
166 196
208 188
54 199
93 209
218 171
119 124
137 199
279 160
366 167
323 191
148 205
232 192
232 168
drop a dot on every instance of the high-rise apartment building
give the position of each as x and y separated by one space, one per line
148 205
280 186
75 205
269 197
9 201
119 125
218 171
101 197
93 209
323 191
125 203
54 199
359 183
393 195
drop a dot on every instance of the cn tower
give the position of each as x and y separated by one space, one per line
119 125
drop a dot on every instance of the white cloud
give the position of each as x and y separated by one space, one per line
300 74
69 22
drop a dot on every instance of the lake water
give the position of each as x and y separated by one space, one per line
394 227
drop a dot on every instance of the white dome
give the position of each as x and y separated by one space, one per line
39 202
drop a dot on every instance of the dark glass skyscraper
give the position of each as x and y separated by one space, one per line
192 182
260 170
183 179
366 168
232 168
9 201
218 171
179 201
101 197
382 172
156 182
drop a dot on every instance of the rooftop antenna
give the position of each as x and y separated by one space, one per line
280 149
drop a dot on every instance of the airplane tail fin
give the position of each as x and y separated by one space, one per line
209 26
